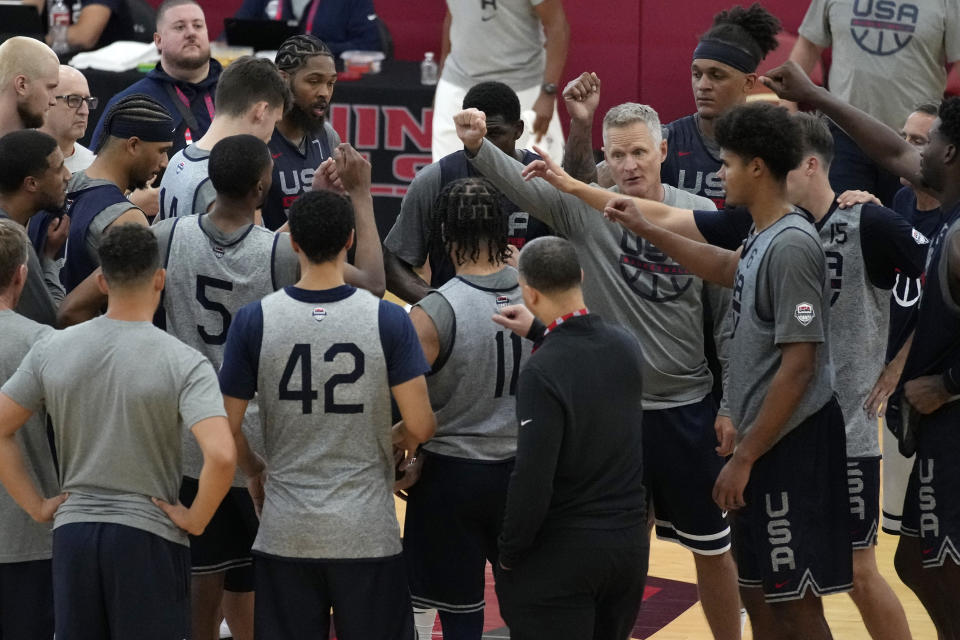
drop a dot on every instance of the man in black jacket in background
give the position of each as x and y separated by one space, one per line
573 548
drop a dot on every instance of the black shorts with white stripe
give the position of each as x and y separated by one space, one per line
225 544
680 467
793 537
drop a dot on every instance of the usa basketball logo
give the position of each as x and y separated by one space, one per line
805 313
502 301
883 27
319 313
649 272
919 238
180 166
218 251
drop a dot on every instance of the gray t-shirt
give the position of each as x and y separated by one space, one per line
186 188
879 46
780 296
628 281
42 293
119 395
21 538
474 379
210 276
512 43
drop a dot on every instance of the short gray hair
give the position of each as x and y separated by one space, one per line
628 113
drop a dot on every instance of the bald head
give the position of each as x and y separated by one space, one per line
65 123
29 73
22 56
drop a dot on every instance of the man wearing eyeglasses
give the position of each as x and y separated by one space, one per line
67 121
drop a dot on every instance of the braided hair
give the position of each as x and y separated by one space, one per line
137 115
295 50
467 216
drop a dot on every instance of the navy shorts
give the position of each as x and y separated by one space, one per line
26 600
680 467
793 534
370 599
863 483
225 544
931 509
114 581
453 520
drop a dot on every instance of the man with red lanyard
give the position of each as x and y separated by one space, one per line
343 25
185 79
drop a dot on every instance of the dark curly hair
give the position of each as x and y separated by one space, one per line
753 29
467 216
762 130
950 120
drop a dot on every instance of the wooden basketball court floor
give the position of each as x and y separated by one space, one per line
673 562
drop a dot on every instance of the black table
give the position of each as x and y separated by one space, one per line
386 116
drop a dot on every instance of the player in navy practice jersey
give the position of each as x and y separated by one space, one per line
923 211
303 139
927 559
323 359
409 245
138 132
455 509
723 74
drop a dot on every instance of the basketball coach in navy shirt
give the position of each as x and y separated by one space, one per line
573 548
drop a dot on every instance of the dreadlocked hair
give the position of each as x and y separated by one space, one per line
467 217
135 108
295 50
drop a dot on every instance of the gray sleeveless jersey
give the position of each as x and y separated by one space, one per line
473 391
185 188
21 538
325 407
210 275
777 305
860 314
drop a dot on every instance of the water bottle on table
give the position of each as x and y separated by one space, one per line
428 69
59 22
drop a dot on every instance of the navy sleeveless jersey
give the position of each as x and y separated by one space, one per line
522 227
689 165
293 172
906 291
936 346
83 206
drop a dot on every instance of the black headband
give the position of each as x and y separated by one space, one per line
726 53
158 131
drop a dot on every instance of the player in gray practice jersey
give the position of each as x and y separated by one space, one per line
119 393
26 609
632 283
251 99
455 509
790 442
216 263
323 359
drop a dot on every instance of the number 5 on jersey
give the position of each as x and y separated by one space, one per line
300 358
